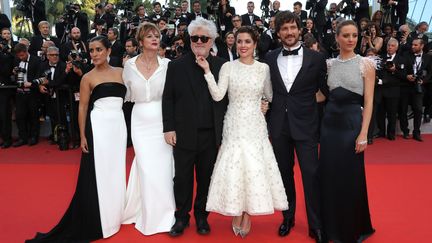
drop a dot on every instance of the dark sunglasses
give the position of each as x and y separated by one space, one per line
204 39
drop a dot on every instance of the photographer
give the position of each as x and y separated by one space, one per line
392 73
6 94
157 12
37 41
75 45
419 71
331 15
371 38
225 14
117 48
50 78
73 17
361 9
105 14
276 7
131 49
329 40
27 102
249 18
100 29
35 10
317 14
301 14
177 48
196 7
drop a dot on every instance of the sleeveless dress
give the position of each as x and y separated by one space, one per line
345 209
96 209
150 193
246 176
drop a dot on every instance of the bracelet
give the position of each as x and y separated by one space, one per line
362 142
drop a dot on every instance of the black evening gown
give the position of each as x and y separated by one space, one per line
82 220
345 211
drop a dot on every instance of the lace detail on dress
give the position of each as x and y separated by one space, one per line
368 63
346 74
246 177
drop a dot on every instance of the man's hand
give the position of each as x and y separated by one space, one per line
411 78
170 138
43 89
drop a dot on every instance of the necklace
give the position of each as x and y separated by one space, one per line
346 60
147 66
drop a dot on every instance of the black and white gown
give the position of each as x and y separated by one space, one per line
96 209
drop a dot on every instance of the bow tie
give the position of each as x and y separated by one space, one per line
389 57
286 52
418 55
53 66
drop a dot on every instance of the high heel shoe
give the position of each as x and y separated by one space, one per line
236 228
244 230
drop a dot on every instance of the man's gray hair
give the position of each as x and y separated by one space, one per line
53 48
393 41
201 23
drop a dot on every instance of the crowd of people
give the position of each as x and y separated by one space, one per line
202 97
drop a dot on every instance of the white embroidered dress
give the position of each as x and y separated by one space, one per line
246 176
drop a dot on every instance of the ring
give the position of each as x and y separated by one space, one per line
362 142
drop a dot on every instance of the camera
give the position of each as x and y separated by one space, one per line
77 59
20 72
389 65
419 76
46 74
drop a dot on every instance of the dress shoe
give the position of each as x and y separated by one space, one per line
33 141
379 135
245 229
418 137
405 135
318 235
286 226
178 228
203 228
19 143
370 141
236 225
391 137
6 144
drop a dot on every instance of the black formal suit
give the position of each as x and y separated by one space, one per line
224 20
67 47
409 94
193 16
303 17
401 12
246 20
188 109
362 11
37 41
117 49
223 52
27 103
317 13
293 124
6 96
390 93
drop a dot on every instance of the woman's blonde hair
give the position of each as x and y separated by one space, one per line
144 29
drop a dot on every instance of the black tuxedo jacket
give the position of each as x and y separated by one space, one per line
32 69
117 49
59 73
180 97
193 16
303 17
299 104
317 11
425 68
37 41
362 11
393 80
273 13
223 52
246 20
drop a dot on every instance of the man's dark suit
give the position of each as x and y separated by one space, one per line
246 20
293 124
37 41
409 94
117 49
362 11
27 103
390 93
189 110
317 13
223 52
303 17
194 15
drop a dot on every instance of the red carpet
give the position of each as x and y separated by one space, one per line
37 183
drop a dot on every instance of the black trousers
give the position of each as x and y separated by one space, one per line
27 115
307 154
428 99
6 96
376 104
387 109
409 96
201 161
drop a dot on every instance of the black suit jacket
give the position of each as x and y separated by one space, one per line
59 73
393 80
317 11
223 52
303 17
193 16
246 20
179 100
32 69
117 49
425 68
362 11
299 104
37 41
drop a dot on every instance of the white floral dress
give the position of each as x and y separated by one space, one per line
246 176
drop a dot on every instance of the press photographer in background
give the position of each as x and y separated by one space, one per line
317 14
37 40
75 44
131 49
27 96
51 76
6 92
73 17
117 48
419 72
225 14
100 29
34 10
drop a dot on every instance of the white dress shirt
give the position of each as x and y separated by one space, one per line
289 66
139 89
